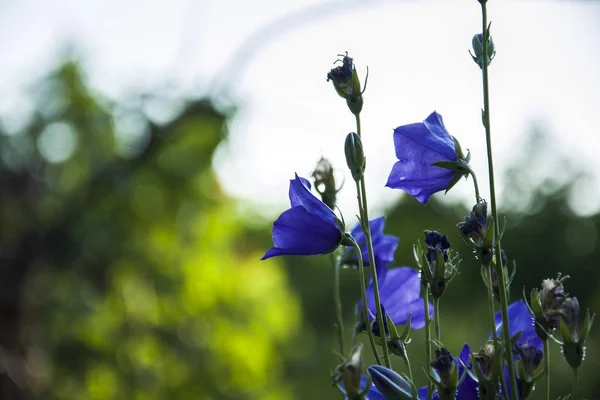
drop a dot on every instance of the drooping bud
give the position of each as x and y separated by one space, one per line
391 385
355 156
324 180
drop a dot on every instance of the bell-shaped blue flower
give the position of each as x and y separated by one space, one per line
520 319
384 246
399 291
308 227
418 146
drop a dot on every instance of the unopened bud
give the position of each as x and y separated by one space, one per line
355 156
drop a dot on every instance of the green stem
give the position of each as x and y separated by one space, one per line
363 292
575 393
490 293
338 304
476 185
488 136
410 375
547 367
436 315
364 215
428 339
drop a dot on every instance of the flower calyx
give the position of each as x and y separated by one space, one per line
460 167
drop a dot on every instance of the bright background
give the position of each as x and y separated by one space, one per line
147 147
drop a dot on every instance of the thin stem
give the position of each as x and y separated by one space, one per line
490 293
476 185
338 304
364 215
488 137
428 339
575 392
363 293
410 375
436 315
547 367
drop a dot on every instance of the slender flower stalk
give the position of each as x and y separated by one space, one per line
361 189
428 339
363 292
367 230
490 293
436 314
488 136
547 367
575 392
338 303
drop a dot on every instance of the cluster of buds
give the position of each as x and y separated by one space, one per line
436 265
553 308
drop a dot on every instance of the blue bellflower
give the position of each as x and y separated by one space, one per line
418 146
384 246
399 291
308 227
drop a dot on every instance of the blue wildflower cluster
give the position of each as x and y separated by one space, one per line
430 160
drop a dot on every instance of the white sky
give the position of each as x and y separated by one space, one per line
546 70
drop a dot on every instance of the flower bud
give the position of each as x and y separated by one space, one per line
478 43
355 156
391 385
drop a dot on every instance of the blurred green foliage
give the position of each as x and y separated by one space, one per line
126 273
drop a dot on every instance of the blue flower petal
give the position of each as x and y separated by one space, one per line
399 293
384 246
520 319
294 200
300 195
298 232
441 141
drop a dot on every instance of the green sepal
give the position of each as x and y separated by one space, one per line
587 325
